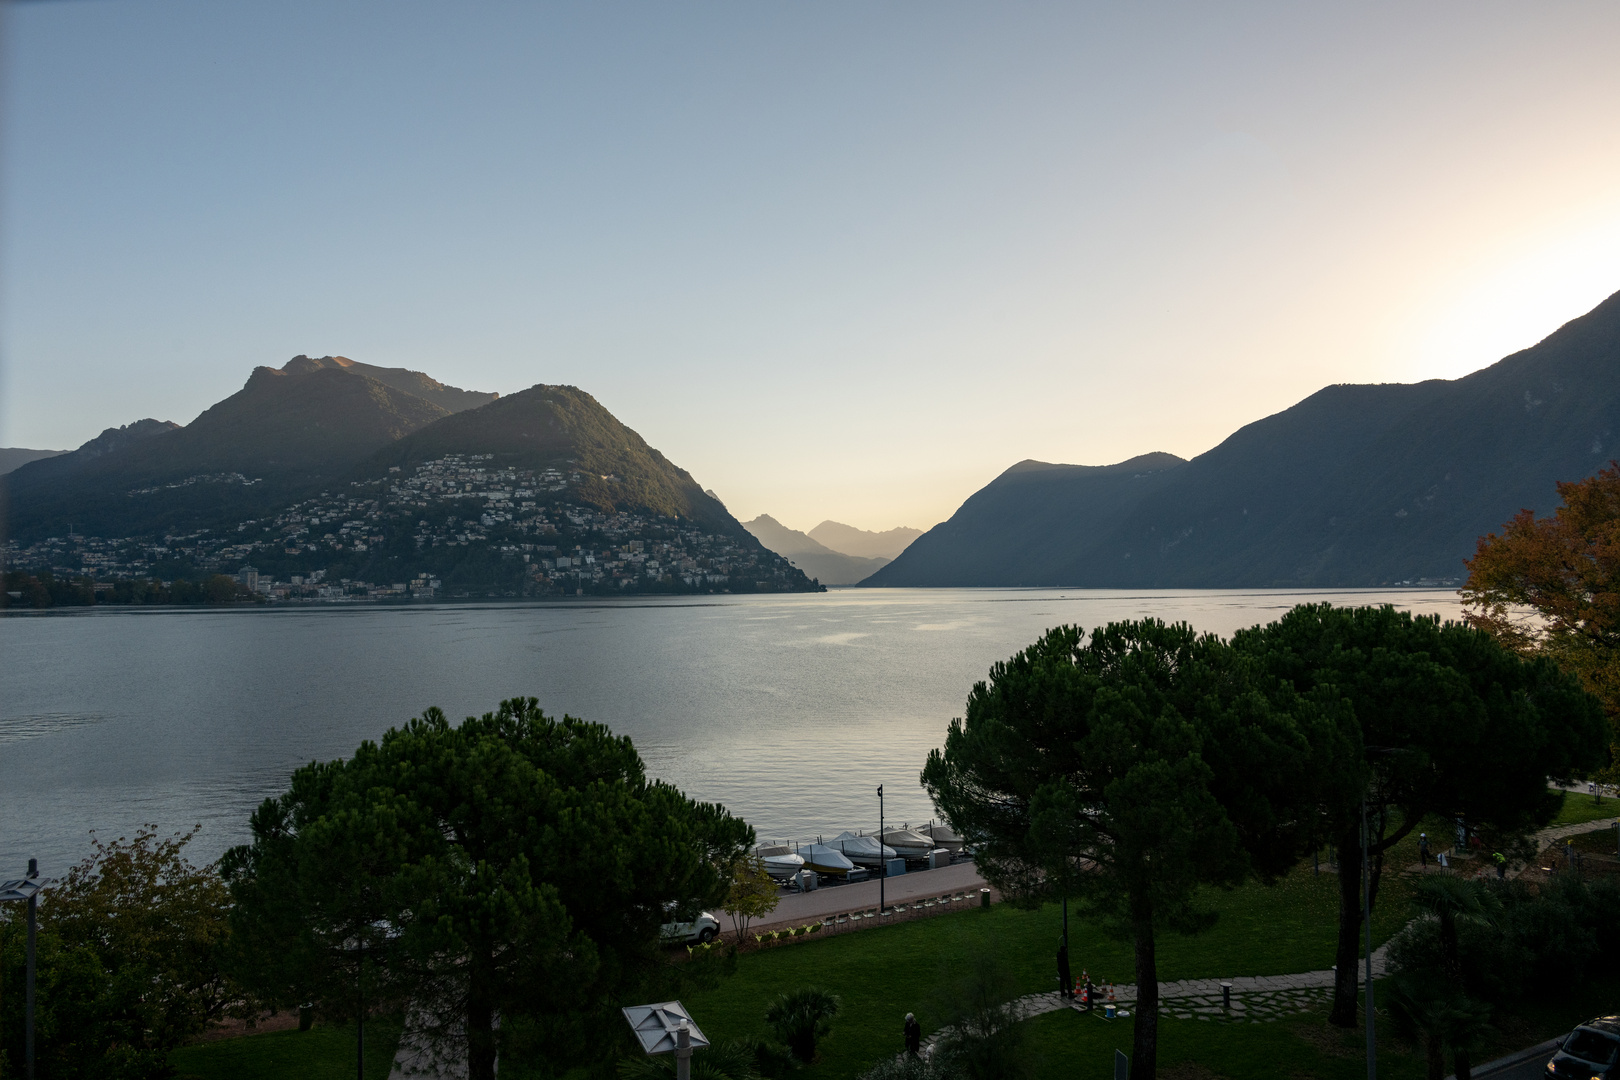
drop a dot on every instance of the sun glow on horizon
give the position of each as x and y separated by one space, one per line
1528 288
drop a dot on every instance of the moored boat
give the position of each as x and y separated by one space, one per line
942 835
824 859
864 850
780 862
909 844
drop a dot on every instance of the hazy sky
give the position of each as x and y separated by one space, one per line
838 260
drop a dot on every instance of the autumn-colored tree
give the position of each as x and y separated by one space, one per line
130 948
1552 586
752 893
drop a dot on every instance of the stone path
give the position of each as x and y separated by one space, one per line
1255 998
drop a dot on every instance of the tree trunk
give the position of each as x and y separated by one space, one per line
1436 1056
1462 1064
1145 1048
480 1023
1349 946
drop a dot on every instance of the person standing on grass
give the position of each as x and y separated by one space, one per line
1065 982
913 1036
1423 849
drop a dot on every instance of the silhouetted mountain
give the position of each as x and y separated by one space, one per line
320 472
449 398
286 430
13 457
868 545
562 426
115 439
815 559
1354 486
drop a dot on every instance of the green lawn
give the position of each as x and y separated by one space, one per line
1579 809
1071 1046
318 1054
883 973
1597 842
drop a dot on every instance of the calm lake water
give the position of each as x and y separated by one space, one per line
790 710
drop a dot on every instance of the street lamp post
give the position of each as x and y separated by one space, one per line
667 1028
360 1015
27 889
1366 907
883 877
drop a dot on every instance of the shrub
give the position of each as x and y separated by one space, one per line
982 1039
801 1018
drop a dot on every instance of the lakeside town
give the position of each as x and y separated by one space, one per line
454 527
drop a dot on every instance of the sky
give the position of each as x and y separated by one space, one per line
838 260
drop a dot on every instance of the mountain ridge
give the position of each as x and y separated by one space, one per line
810 555
863 543
318 468
1356 485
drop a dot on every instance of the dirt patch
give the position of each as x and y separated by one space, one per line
235 1028
1189 1070
1331 1041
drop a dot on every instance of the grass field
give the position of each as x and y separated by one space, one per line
883 973
322 1053
1579 809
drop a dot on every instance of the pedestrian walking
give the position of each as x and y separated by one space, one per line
1501 866
1065 981
1423 849
913 1035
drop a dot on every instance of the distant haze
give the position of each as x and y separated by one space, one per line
818 560
871 545
12 457
840 260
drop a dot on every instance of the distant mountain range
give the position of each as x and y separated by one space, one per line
407 470
867 545
12 457
814 558
1357 485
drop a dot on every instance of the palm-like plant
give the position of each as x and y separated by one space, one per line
802 1017
1434 1003
1431 1011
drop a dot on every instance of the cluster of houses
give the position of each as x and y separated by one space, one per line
458 519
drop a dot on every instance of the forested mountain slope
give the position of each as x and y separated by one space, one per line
1354 486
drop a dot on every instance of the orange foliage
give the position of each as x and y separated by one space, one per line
1552 585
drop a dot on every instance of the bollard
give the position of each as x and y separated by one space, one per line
984 898
683 1052
1226 996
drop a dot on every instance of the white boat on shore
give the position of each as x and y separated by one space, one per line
909 844
825 859
864 850
780 862
942 835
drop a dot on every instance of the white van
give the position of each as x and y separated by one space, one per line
703 929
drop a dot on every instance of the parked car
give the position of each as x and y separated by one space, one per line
705 928
1590 1051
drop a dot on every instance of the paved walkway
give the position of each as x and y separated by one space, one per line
796 909
1255 999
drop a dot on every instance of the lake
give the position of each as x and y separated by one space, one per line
789 709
